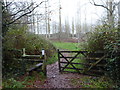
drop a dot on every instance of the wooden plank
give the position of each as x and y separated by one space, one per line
39 64
70 57
92 58
31 55
35 67
73 51
72 68
32 59
99 65
75 63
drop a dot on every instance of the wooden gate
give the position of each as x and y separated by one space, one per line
68 60
81 62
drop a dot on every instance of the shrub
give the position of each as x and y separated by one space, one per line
13 42
97 39
113 60
107 40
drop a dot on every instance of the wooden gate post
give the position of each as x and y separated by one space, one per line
59 60
44 62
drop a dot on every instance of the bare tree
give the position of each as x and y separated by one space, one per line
67 27
110 7
33 18
14 11
60 29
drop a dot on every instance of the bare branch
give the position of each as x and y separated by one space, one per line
101 6
22 10
115 5
28 8
110 11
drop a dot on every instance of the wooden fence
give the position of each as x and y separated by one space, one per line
39 59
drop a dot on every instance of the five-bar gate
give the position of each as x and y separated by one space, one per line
70 60
92 63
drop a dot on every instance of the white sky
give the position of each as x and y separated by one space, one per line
83 7
71 7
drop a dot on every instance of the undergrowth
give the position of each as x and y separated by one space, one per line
93 82
24 82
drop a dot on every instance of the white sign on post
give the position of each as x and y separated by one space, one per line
43 52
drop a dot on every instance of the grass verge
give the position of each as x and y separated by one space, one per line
93 82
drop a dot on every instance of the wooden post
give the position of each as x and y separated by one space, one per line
24 52
59 60
44 62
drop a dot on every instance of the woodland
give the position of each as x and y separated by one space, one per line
24 27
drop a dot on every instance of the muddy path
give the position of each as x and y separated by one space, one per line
55 79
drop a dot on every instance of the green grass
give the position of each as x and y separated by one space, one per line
52 59
66 45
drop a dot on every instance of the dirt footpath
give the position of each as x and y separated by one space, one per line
58 80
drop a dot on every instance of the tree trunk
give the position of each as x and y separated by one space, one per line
73 28
46 19
60 30
38 24
110 14
119 16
